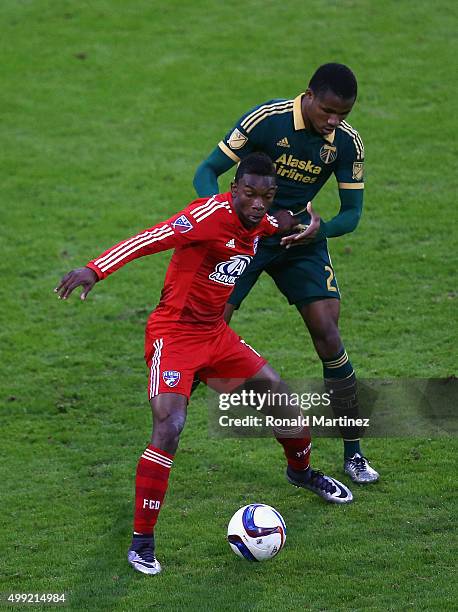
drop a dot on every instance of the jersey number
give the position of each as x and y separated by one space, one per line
330 278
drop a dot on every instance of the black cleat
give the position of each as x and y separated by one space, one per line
326 487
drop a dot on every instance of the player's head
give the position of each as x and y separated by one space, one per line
337 78
253 189
329 98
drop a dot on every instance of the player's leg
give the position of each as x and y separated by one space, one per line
322 319
172 357
152 476
306 277
296 442
235 359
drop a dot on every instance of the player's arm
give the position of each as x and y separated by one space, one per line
236 145
169 234
206 176
346 220
349 175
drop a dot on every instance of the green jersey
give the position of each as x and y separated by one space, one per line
304 159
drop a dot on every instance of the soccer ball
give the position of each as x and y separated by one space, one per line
256 532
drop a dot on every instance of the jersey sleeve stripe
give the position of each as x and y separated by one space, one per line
132 241
351 185
352 131
203 215
264 111
132 249
203 206
345 127
268 114
211 203
225 149
260 110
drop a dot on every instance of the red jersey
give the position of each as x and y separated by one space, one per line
212 249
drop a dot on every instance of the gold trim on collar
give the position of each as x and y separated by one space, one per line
299 119
297 113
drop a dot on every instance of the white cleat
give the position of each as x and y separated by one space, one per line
360 470
142 556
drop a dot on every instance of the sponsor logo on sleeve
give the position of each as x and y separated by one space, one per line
227 272
182 224
237 139
171 377
358 171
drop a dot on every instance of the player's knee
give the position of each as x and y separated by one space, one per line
167 430
269 378
328 342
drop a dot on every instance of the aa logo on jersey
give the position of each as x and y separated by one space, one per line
182 224
171 377
255 244
237 139
328 153
227 272
358 171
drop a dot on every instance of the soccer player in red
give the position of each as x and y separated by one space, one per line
214 240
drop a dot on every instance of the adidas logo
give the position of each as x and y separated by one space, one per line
231 243
283 142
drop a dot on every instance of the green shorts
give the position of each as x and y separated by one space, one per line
303 274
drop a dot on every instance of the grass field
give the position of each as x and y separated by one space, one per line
107 107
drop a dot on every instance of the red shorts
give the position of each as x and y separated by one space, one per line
174 355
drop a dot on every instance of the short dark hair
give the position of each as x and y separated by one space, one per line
337 78
255 163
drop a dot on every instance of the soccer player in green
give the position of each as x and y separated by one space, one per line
308 139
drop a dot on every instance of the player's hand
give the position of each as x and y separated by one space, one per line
81 277
286 221
308 234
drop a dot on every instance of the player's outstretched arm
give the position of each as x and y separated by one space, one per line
169 234
307 234
346 220
80 277
206 176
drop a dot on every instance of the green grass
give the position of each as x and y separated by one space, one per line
106 109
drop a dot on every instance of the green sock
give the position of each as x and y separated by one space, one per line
351 447
340 380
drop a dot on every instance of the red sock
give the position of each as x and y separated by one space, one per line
151 483
297 451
